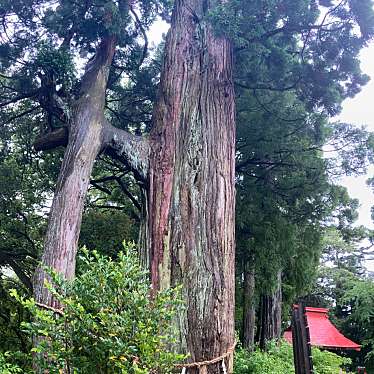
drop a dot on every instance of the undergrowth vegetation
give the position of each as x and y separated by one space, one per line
278 359
108 322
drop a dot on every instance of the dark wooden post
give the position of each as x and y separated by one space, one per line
302 352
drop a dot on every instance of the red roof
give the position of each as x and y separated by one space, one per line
322 332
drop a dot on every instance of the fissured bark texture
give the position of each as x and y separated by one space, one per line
191 182
270 316
249 310
85 141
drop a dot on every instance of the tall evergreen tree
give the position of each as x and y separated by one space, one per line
186 164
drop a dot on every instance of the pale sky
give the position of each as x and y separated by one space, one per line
360 111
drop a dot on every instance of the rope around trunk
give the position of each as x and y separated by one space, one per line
201 365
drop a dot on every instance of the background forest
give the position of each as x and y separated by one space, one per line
296 237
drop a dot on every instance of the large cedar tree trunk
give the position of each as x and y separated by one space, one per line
191 182
249 310
270 315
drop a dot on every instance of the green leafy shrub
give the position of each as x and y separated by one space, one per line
109 323
325 362
6 367
278 359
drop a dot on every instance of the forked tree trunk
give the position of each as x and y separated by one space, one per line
249 310
191 182
270 315
189 165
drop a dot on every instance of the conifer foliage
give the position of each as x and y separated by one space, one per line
93 122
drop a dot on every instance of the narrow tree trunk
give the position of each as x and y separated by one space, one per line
191 183
270 315
86 137
249 310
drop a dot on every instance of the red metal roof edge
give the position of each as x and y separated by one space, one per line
353 348
316 310
312 309
356 347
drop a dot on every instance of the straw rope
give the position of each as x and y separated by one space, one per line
201 365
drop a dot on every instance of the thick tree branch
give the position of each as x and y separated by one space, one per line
134 148
52 140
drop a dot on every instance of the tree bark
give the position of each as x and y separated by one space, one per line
188 165
52 140
249 310
86 137
191 183
270 315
